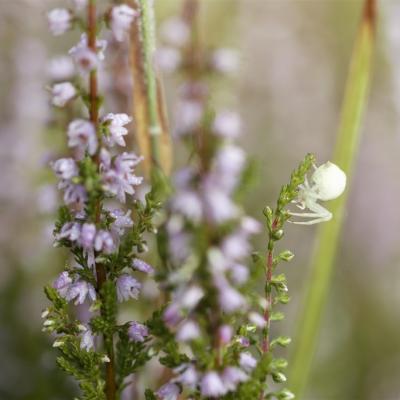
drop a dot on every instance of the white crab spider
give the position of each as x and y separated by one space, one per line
327 183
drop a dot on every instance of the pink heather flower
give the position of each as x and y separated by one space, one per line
244 341
212 385
142 266
168 59
73 194
116 127
88 234
70 231
79 291
219 207
47 199
122 220
80 4
62 283
225 61
84 57
239 273
189 377
121 20
127 287
250 226
236 246
175 31
227 124
172 315
63 93
188 116
105 159
189 330
230 299
120 180
191 297
232 376
104 242
225 334
82 135
65 168
230 159
169 391
59 21
137 332
60 68
257 319
188 203
87 340
247 361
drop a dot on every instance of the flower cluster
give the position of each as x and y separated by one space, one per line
97 180
208 235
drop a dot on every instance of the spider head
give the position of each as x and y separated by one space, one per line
329 181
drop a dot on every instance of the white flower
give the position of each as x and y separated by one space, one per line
59 21
121 19
65 168
116 127
60 68
227 124
225 61
168 59
257 319
82 135
175 31
62 93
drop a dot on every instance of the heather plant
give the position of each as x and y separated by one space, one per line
212 332
95 224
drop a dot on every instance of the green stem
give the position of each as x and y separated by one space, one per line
148 37
349 133
101 272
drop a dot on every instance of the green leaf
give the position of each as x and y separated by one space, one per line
281 341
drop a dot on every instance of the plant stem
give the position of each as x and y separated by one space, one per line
94 118
354 105
148 37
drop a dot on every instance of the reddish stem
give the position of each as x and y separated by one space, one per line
94 118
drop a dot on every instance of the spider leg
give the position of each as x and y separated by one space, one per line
320 214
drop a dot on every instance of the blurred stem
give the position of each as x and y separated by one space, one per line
148 37
354 105
94 118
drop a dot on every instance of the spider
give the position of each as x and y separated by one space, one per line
327 183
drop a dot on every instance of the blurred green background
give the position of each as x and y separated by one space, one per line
294 61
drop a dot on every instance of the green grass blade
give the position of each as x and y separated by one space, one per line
354 104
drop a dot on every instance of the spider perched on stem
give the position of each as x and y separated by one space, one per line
327 183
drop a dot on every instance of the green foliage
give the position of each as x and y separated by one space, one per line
130 355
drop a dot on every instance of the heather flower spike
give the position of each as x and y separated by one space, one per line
106 244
